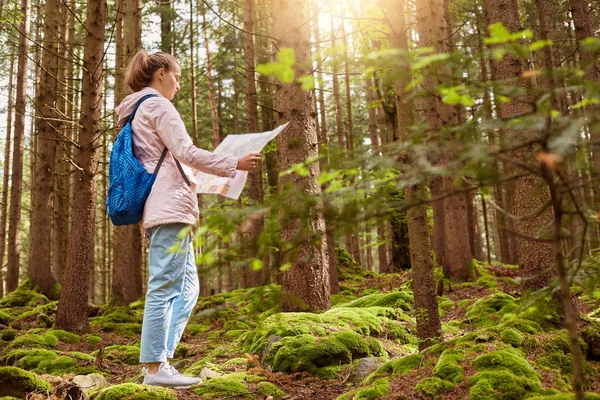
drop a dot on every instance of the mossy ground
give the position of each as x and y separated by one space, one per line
497 344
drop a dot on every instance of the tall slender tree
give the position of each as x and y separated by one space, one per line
72 309
306 284
426 305
5 188
48 126
14 248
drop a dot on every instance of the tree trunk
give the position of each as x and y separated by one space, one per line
14 248
528 194
9 122
426 306
127 275
305 286
457 253
72 312
584 28
166 16
195 136
40 237
329 210
255 190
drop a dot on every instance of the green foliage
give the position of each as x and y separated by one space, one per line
133 391
65 337
8 334
46 340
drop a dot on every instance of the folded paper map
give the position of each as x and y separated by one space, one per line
235 146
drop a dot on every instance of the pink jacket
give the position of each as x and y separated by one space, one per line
157 124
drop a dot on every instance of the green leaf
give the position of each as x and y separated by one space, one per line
588 101
285 267
591 44
423 62
499 34
282 69
540 44
256 264
307 82
452 96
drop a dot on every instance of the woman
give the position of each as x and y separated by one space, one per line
171 206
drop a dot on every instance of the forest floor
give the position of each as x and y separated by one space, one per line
498 344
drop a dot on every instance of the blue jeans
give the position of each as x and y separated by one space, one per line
172 292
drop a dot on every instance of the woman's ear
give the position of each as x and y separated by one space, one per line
160 73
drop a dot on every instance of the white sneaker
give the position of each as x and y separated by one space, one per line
168 376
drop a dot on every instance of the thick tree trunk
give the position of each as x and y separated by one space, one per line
528 194
305 286
72 312
40 237
5 188
14 248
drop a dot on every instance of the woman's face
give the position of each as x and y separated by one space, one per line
168 82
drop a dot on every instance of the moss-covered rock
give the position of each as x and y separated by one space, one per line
224 387
401 366
501 384
309 353
512 337
127 330
65 337
487 311
448 368
8 334
4 317
396 331
432 388
133 391
566 396
399 299
196 330
27 294
505 360
268 389
18 383
94 339
365 321
591 336
129 355
32 341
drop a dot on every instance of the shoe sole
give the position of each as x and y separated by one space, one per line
173 387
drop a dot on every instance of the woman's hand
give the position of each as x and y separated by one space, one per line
248 162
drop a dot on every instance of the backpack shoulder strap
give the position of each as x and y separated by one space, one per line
137 105
162 158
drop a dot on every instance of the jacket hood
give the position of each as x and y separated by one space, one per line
126 107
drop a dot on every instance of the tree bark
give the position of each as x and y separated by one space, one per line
72 312
457 252
127 274
14 248
528 194
426 306
5 188
305 286
48 126
166 16
251 278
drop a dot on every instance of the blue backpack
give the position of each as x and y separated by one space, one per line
129 183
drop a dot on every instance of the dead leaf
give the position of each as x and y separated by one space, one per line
549 159
531 73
